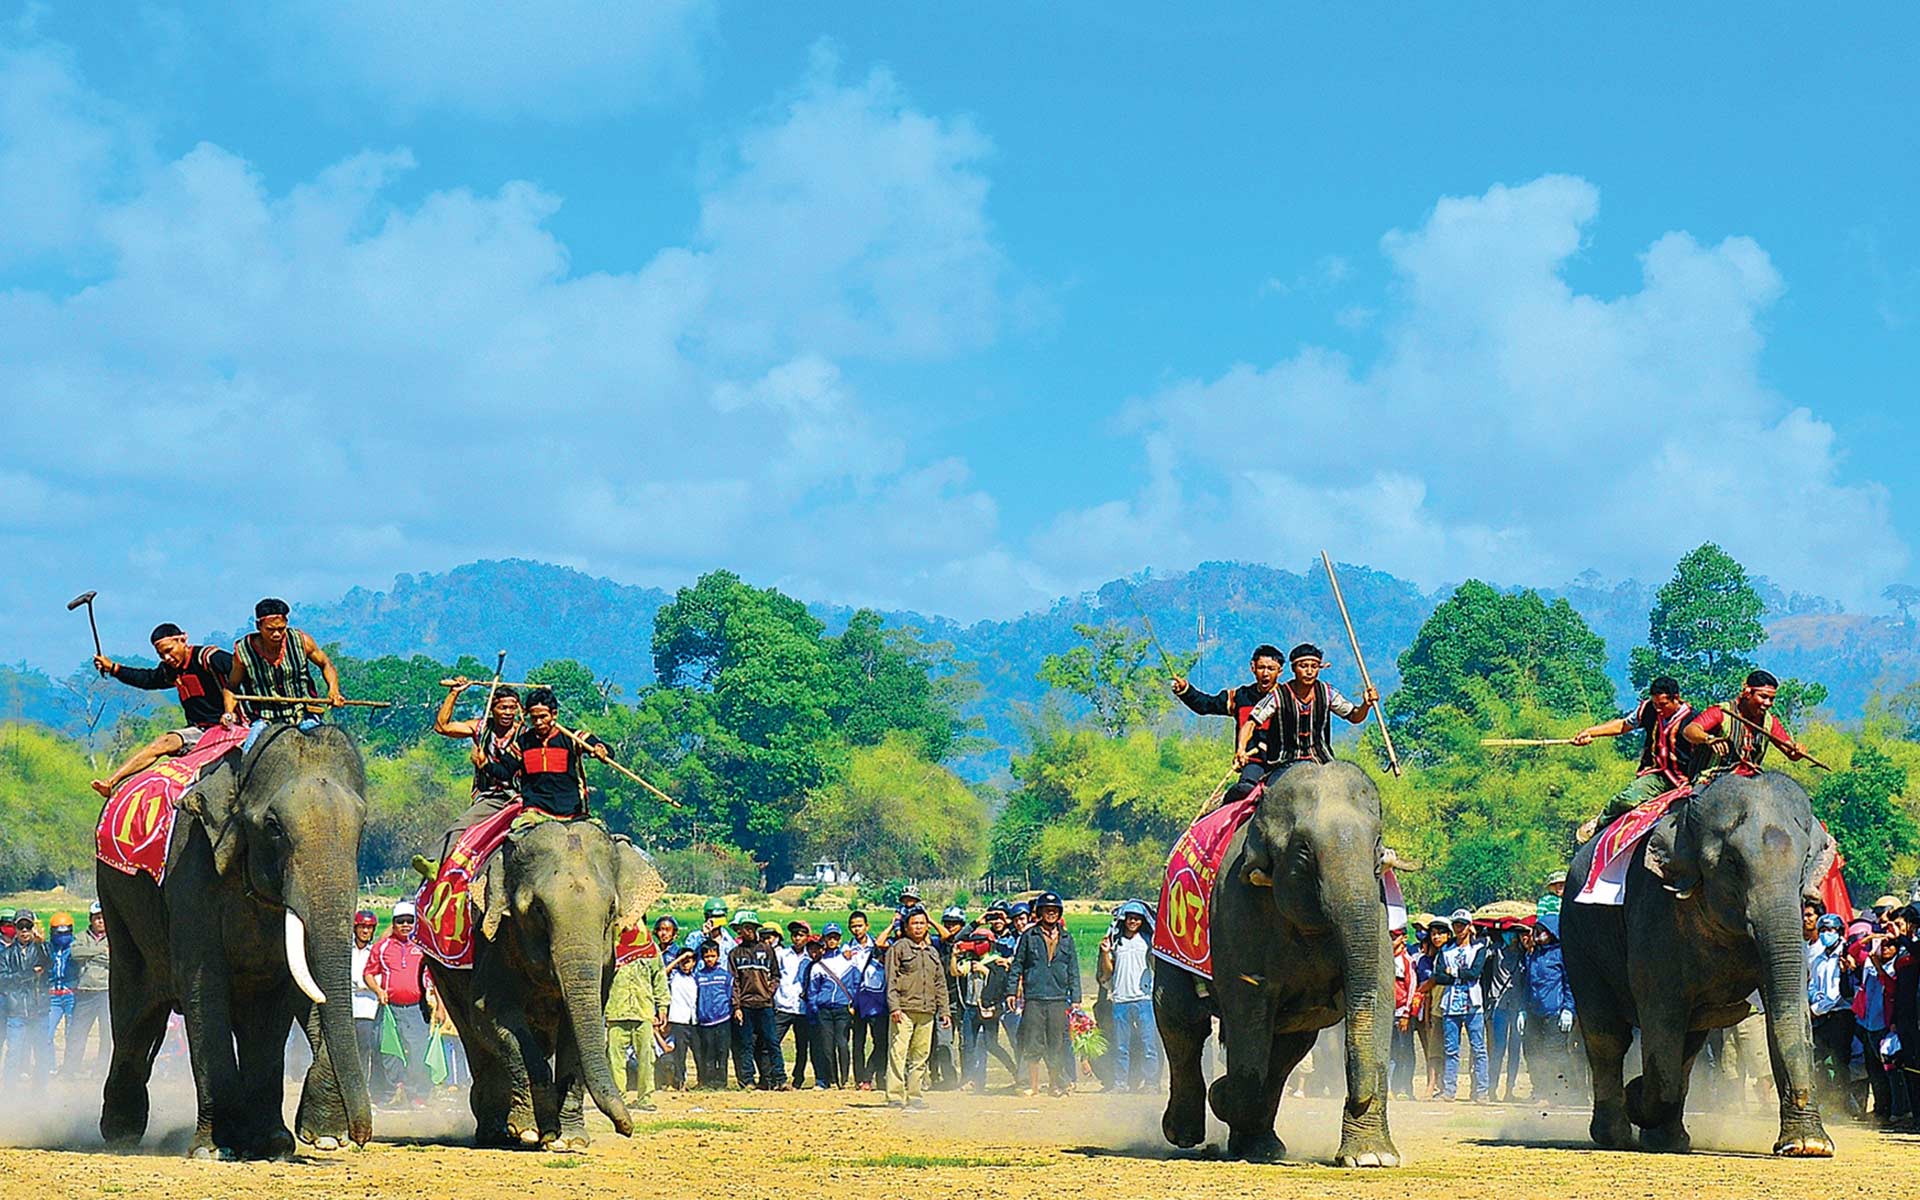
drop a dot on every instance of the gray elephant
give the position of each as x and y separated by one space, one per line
1744 851
550 905
1288 961
250 932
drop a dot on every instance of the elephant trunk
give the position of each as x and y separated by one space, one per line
1775 919
323 951
1350 895
579 969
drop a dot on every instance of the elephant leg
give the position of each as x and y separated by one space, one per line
260 1035
1657 1099
1184 1023
1259 1142
570 1085
139 1011
1606 1042
202 986
1239 1095
321 1119
534 1116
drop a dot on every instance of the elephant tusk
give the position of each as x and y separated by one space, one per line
297 958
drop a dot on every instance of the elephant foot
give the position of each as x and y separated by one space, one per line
325 1141
275 1145
1610 1129
123 1129
528 1137
1801 1133
1804 1146
1666 1139
1366 1148
1184 1125
570 1143
1262 1146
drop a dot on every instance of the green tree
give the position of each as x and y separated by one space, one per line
1703 630
46 808
1481 644
1118 674
884 681
1863 811
894 814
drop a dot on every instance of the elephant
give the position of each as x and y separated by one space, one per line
1288 961
250 931
550 903
1677 962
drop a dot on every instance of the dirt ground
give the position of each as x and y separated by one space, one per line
795 1146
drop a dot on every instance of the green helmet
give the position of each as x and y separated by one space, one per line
716 907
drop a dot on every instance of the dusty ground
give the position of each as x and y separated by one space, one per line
801 1145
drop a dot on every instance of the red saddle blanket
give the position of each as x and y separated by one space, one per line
1182 934
632 945
1607 879
136 824
444 925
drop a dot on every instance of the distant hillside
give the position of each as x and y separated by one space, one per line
538 612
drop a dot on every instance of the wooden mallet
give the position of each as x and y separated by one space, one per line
86 598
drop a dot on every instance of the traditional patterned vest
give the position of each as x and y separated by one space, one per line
291 676
1664 751
500 751
1303 727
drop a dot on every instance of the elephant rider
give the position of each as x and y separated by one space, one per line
636 1009
197 674
1665 759
277 660
494 756
1237 702
547 761
1739 744
1301 711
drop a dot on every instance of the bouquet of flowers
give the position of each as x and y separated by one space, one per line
1088 1042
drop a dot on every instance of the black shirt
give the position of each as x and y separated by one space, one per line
1237 702
550 774
198 684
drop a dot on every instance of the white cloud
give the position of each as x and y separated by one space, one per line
58 152
505 58
304 388
855 224
1510 426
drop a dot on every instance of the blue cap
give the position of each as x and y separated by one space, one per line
832 929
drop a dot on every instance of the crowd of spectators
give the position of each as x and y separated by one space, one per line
921 1004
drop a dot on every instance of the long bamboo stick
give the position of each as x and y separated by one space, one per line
584 745
1393 760
314 701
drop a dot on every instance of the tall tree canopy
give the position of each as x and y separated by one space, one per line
1703 630
1118 674
1482 643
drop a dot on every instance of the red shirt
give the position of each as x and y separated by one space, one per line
400 967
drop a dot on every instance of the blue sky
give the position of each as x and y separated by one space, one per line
955 308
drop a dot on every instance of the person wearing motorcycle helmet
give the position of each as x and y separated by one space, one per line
1046 970
1126 965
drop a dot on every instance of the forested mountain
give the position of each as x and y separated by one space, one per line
540 612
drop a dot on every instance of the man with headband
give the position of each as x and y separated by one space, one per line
197 675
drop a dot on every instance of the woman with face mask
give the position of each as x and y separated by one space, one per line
1830 984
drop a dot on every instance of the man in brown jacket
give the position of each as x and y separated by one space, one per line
917 999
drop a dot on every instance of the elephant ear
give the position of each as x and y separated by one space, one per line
637 883
487 892
1673 849
1820 854
214 801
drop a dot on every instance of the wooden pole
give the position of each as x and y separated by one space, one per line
1509 742
1166 660
499 665
314 701
583 744
1359 660
1769 735
494 683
